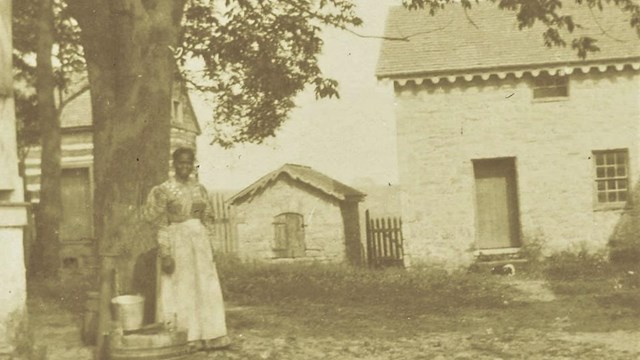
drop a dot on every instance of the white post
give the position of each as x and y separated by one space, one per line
13 215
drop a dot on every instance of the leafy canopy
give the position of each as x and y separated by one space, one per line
68 62
254 56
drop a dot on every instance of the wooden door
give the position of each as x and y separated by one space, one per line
289 236
76 223
497 215
295 235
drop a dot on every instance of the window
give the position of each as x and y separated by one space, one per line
611 177
288 241
176 109
547 86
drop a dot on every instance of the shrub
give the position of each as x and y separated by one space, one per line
424 288
569 265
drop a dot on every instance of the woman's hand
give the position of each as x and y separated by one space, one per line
167 264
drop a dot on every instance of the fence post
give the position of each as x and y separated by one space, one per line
367 228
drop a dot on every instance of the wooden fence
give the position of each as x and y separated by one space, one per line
224 227
384 241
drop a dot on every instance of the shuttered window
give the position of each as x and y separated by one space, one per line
288 240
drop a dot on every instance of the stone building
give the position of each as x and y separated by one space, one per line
13 214
505 143
76 229
296 213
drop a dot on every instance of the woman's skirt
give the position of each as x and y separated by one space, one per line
191 297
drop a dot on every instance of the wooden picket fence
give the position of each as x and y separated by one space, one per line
384 241
224 227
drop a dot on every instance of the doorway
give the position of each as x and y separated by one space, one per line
289 236
497 214
77 222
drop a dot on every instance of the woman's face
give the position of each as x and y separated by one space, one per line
183 166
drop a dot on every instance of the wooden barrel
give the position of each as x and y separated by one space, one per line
162 345
90 319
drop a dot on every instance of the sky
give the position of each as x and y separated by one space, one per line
351 139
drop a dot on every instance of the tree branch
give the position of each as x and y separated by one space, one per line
408 37
602 29
72 97
466 14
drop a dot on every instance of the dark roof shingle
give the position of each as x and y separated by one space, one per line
450 43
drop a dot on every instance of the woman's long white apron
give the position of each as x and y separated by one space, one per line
191 297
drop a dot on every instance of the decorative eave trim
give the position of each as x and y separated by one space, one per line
501 74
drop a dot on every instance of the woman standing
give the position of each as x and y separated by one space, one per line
189 294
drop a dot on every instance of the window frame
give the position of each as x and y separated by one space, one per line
547 81
176 111
611 205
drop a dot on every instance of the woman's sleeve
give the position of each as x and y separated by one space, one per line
155 213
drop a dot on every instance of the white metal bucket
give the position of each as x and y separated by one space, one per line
128 311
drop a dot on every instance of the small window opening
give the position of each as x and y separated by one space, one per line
550 86
177 110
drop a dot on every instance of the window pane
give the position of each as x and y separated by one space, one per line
546 86
600 159
600 172
612 196
611 185
602 197
622 196
621 158
602 185
622 184
611 171
610 158
621 170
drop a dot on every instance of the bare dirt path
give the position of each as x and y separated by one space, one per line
539 325
58 330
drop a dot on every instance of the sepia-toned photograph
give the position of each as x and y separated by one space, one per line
319 179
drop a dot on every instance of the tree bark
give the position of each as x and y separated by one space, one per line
46 252
127 45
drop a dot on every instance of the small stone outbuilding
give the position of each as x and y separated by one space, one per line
296 213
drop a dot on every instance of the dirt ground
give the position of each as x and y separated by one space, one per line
539 325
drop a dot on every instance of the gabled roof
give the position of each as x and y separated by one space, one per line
449 42
305 175
77 113
190 122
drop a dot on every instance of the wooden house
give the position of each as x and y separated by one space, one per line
76 229
297 213
504 143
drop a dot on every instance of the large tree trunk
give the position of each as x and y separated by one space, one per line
127 46
46 254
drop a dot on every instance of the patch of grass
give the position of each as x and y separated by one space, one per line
577 265
585 273
427 289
